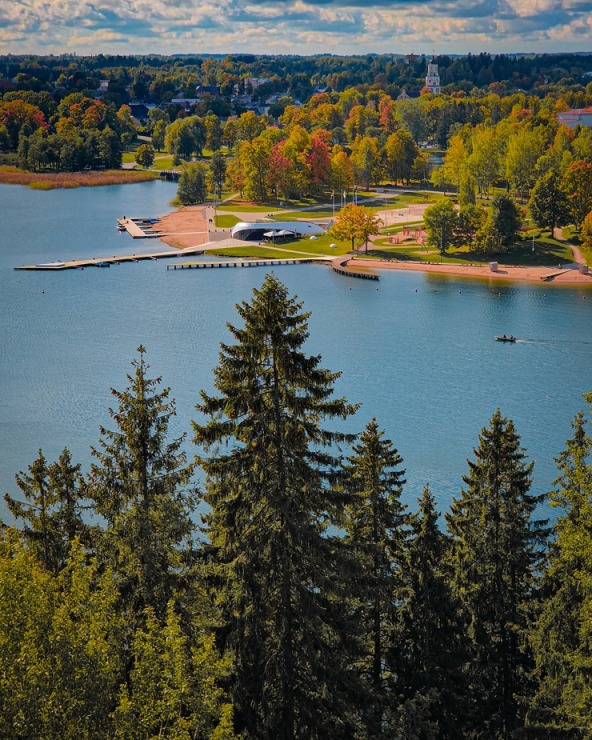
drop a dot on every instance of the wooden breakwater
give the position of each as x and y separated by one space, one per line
341 267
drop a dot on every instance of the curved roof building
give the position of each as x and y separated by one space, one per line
254 231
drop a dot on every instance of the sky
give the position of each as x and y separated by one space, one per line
294 26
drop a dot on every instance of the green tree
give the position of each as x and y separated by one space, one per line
192 184
440 221
524 149
374 528
548 203
276 567
500 228
494 555
52 510
145 155
577 184
158 135
217 173
140 486
430 654
484 159
355 223
562 635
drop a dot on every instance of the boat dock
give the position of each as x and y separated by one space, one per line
108 261
140 228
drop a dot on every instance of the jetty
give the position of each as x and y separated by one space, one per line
108 261
140 228
243 263
340 266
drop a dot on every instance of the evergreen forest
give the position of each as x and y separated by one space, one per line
270 583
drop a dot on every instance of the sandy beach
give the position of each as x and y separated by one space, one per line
185 227
566 276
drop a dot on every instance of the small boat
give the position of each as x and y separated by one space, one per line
505 338
102 264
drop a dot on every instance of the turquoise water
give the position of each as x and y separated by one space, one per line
416 351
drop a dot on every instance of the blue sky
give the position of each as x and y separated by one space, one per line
294 26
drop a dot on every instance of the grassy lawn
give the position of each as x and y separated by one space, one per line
226 221
256 252
242 207
301 247
547 253
294 215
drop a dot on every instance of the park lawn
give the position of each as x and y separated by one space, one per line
547 252
226 221
242 207
295 215
419 197
257 252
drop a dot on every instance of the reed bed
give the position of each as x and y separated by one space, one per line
50 180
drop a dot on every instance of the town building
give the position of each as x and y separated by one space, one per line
432 80
576 117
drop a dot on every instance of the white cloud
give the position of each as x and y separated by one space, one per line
283 26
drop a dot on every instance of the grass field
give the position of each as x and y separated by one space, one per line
226 221
242 207
547 252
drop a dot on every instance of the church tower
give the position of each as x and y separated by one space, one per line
432 80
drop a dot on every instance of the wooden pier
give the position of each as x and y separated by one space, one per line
140 228
238 263
108 261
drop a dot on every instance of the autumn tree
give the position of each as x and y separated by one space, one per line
577 184
353 223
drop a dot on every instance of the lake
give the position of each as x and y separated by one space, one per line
416 350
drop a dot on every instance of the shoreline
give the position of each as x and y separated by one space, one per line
545 276
188 227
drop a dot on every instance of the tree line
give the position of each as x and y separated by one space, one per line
160 78
303 599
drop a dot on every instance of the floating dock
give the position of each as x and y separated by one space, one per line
108 261
140 228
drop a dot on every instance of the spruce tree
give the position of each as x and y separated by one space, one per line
52 510
432 655
375 527
276 568
495 550
562 637
140 485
